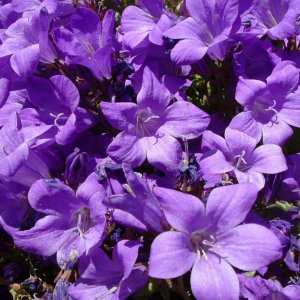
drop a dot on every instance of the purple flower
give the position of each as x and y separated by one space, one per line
205 31
88 43
276 18
57 100
146 24
257 288
19 161
271 106
237 153
257 66
210 240
289 188
150 127
13 203
101 278
71 225
139 201
26 42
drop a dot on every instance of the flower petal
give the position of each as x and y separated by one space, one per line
153 93
283 81
52 197
228 206
25 61
163 152
268 159
45 238
214 162
125 254
278 132
184 212
214 278
194 119
238 245
188 52
170 255
127 148
250 176
248 89
246 123
120 115
290 112
238 141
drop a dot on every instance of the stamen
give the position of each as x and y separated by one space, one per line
241 159
147 15
272 20
129 190
143 119
58 118
111 291
78 225
204 254
271 108
83 221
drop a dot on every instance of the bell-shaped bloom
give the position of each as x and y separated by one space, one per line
58 100
269 107
14 206
257 288
150 127
144 24
113 178
289 188
237 153
102 278
258 66
19 160
276 18
210 240
139 201
206 31
26 42
72 224
88 43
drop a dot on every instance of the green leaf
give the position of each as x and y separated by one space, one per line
282 205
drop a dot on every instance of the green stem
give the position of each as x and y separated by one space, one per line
181 289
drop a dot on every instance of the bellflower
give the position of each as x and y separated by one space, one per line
102 278
19 160
13 203
72 224
139 201
269 107
26 42
88 43
289 188
150 127
146 24
237 153
276 18
205 32
257 288
258 66
57 100
114 179
210 240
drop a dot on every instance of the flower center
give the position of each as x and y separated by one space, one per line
265 109
83 220
60 119
146 122
240 162
202 242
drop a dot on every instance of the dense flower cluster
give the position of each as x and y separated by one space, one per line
150 150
